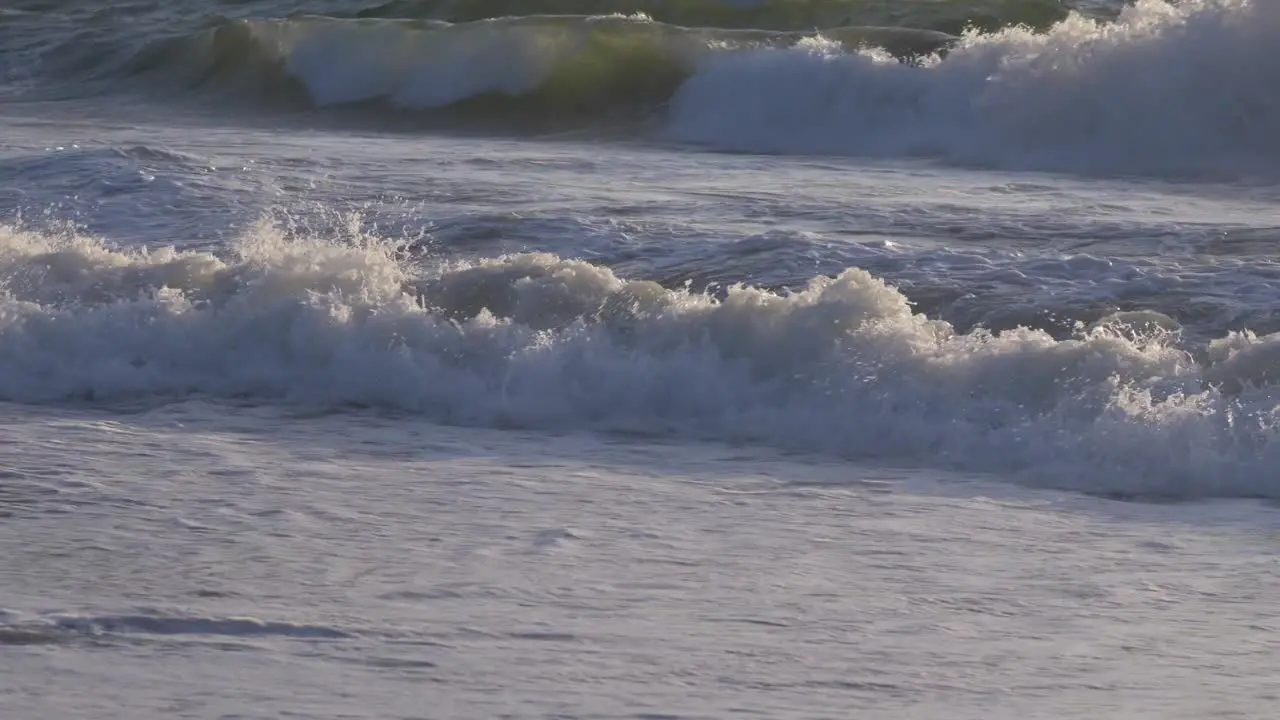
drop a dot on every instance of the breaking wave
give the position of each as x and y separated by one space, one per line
843 365
511 68
1164 89
1160 89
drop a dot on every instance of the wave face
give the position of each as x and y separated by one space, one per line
508 69
843 365
567 66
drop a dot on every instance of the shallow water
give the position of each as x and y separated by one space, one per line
394 568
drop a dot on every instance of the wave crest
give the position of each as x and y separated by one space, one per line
948 16
508 70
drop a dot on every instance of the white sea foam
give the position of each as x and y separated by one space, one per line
842 366
1182 89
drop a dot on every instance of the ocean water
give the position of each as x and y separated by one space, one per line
639 359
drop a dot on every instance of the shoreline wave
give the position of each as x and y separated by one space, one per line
843 365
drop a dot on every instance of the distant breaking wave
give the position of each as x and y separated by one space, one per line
517 68
1186 89
1163 89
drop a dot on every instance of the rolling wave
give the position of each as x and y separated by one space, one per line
1161 89
843 365
513 67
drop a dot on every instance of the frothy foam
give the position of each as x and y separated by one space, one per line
842 366
1180 89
